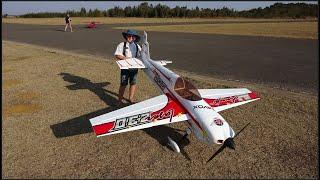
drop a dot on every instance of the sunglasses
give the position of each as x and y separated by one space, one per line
130 36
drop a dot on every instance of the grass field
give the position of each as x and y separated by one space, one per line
108 20
48 96
308 30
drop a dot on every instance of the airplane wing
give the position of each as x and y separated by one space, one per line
222 99
137 63
131 63
156 111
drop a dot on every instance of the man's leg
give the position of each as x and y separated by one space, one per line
133 81
121 92
124 77
65 28
70 27
132 90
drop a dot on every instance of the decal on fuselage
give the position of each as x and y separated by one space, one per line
201 107
158 80
218 122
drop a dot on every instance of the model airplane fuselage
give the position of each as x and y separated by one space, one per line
180 101
207 125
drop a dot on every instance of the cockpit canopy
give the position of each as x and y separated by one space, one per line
186 90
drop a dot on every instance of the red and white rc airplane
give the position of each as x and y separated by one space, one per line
92 24
180 101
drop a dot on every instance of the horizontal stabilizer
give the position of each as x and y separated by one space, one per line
164 62
222 99
132 63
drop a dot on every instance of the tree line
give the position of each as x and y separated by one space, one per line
277 10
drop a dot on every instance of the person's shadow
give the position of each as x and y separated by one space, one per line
96 88
81 124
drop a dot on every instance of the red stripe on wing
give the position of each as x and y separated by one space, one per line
253 95
165 112
178 109
103 128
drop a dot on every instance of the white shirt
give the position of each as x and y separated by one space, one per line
130 50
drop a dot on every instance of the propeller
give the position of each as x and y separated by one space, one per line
227 143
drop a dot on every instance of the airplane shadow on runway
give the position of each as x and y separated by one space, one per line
81 125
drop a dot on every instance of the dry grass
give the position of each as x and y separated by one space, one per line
19 109
308 30
10 82
281 141
109 20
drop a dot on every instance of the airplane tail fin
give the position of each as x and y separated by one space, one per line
145 55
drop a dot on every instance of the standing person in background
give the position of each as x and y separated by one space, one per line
126 50
68 23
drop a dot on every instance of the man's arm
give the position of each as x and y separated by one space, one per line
118 53
121 57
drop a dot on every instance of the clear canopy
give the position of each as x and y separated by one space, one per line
186 90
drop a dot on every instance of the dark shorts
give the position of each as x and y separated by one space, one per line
128 75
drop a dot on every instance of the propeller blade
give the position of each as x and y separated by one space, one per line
227 143
241 130
215 154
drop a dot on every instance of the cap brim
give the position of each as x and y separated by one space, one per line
125 37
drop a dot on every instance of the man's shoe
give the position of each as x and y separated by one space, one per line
132 102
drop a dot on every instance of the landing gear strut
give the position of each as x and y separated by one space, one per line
174 145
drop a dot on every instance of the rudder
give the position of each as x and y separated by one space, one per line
145 54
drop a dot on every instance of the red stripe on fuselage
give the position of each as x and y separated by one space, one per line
178 102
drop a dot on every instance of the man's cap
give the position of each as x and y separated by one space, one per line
131 32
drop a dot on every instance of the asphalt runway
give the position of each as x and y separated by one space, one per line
280 62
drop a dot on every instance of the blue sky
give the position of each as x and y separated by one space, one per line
22 7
